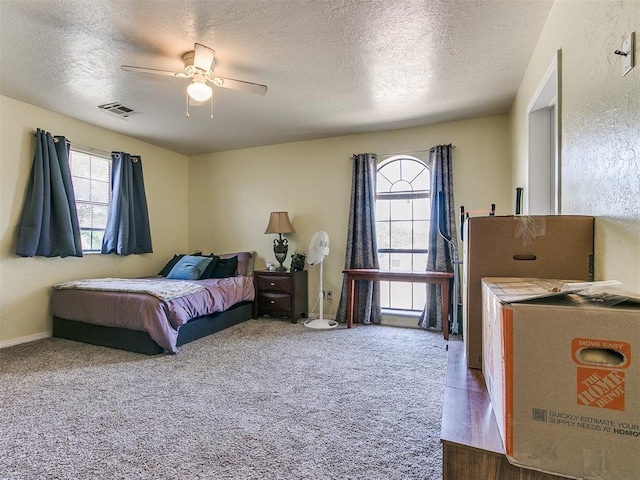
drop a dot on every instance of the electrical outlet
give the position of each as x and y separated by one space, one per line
329 296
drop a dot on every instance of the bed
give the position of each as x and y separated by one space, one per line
157 314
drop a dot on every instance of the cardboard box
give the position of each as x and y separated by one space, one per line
563 376
551 246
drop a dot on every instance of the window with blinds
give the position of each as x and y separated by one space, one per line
91 176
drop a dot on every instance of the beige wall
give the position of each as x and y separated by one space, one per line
231 193
25 283
221 202
600 126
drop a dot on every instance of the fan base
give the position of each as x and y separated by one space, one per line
321 324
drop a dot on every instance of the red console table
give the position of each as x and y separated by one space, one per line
354 274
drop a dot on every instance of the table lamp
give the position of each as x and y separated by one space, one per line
279 223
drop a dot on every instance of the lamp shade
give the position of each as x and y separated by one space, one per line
279 223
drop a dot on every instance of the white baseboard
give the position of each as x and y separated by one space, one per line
400 319
27 339
388 319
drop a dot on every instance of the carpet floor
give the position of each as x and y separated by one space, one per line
265 399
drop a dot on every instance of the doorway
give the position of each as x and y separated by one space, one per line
543 170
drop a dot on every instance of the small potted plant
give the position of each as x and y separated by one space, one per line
297 261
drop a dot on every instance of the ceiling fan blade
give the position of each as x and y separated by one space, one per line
130 68
203 57
240 85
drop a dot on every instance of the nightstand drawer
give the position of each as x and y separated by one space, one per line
274 283
274 302
280 294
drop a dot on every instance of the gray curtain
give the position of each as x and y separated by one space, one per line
49 222
127 230
440 257
362 245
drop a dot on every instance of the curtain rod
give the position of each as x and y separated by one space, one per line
407 153
90 149
84 147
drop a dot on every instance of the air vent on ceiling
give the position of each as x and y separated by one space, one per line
118 110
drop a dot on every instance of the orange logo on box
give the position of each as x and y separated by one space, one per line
600 379
600 388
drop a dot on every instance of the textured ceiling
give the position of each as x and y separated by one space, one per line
333 67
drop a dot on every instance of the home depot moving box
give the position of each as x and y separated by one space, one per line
545 246
564 379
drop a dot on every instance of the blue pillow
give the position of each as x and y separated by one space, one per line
189 267
170 264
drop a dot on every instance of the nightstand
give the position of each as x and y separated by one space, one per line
281 293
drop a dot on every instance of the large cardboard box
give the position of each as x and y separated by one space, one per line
551 246
563 376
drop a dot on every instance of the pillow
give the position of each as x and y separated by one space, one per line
189 267
225 267
212 265
170 264
245 262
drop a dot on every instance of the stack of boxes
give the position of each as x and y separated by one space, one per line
562 372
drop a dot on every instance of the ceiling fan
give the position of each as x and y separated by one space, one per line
198 65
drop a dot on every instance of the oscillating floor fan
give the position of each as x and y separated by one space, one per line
318 249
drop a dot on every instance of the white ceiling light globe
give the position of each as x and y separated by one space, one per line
199 91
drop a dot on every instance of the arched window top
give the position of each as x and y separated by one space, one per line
403 174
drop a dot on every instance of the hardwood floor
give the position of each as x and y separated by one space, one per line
471 444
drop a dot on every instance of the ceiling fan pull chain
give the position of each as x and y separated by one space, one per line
187 97
211 106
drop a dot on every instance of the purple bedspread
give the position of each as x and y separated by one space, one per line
139 311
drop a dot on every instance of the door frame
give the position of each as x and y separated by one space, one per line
543 173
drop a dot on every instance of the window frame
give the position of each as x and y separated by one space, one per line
91 153
414 194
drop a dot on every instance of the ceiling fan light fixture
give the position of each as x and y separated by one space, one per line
199 90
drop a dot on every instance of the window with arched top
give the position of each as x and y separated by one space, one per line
403 205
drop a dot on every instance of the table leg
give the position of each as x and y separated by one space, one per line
350 287
444 286
356 300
